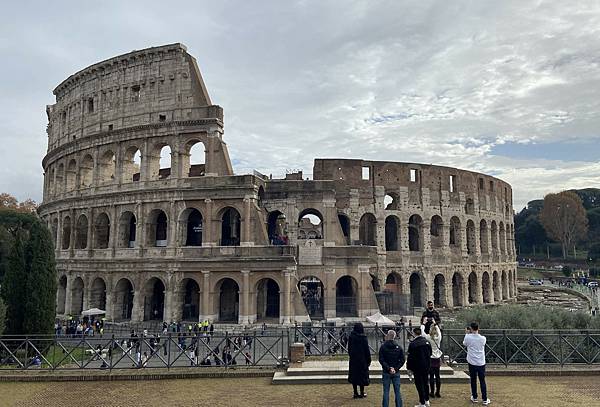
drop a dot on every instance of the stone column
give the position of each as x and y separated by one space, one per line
463 239
287 314
137 313
246 238
68 294
172 226
465 290
87 293
329 222
426 227
244 317
170 290
114 230
206 309
109 301
329 308
72 235
207 225
479 289
90 233
448 292
59 233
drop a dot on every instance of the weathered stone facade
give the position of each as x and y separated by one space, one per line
145 238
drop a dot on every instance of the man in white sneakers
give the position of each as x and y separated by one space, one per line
475 345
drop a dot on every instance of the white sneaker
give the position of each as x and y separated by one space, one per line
486 402
420 405
427 403
474 400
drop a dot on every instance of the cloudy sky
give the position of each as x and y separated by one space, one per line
509 88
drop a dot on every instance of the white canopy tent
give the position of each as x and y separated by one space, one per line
93 311
380 320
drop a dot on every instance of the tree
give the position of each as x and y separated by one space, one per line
14 285
2 316
8 201
564 218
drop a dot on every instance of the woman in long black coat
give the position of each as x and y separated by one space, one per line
360 359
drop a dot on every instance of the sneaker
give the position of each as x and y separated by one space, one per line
420 405
427 403
486 402
474 400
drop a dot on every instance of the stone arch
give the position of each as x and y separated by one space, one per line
496 286
346 297
393 283
312 291
159 161
66 233
417 290
457 289
194 159
471 243
455 234
345 226
367 232
51 180
98 294
392 226
71 175
59 179
277 228
502 238
486 287
127 230
61 295
132 164
469 206
77 296
436 232
190 299
102 231
229 300
154 299
81 232
107 167
267 299
157 226
494 232
55 231
439 290
391 201
310 221
192 227
483 237
415 233
504 285
473 288
86 171
230 226
123 299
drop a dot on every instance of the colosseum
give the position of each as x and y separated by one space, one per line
151 223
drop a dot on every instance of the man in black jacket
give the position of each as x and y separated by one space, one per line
391 357
418 361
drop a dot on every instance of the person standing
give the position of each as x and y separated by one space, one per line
475 344
431 312
435 340
419 362
360 359
391 358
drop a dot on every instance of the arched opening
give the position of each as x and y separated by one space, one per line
415 225
504 285
457 290
455 235
267 299
54 231
345 225
157 228
494 232
311 290
473 288
127 230
77 296
416 290
194 228
71 175
502 238
483 237
154 300
164 162
310 224
86 171
436 232
59 179
390 201
439 290
346 291
61 295
471 244
132 164
81 232
191 300
276 229
50 180
367 232
123 300
497 287
391 233
107 168
470 206
486 287
98 294
195 162
102 231
230 227
393 301
66 233
229 300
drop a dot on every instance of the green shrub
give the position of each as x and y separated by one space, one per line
567 270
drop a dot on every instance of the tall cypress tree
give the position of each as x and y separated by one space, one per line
14 290
40 304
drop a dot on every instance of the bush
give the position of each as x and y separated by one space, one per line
2 316
594 252
594 272
567 270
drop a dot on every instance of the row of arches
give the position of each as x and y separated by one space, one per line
108 167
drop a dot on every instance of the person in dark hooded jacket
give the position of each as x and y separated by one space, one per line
391 357
418 361
360 359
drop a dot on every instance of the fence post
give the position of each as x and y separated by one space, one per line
168 351
560 349
505 340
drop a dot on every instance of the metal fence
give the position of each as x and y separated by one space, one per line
270 348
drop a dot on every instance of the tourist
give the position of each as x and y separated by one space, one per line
360 359
144 360
418 361
475 344
431 312
391 357
434 337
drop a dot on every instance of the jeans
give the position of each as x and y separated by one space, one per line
395 381
422 385
475 372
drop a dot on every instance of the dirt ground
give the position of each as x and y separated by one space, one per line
503 391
